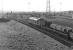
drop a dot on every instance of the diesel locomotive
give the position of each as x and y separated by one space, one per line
49 24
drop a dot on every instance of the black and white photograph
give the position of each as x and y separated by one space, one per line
36 25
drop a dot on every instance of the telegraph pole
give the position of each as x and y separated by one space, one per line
60 8
2 7
48 7
54 11
29 5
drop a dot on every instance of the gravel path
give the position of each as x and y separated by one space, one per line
16 36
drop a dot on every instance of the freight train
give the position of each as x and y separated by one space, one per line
49 24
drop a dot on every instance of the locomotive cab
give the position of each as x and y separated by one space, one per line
71 35
68 29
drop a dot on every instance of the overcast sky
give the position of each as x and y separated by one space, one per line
35 5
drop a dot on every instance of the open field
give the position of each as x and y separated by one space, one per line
16 36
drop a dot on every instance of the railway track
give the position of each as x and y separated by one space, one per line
50 32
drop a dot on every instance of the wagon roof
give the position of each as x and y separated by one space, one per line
34 18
